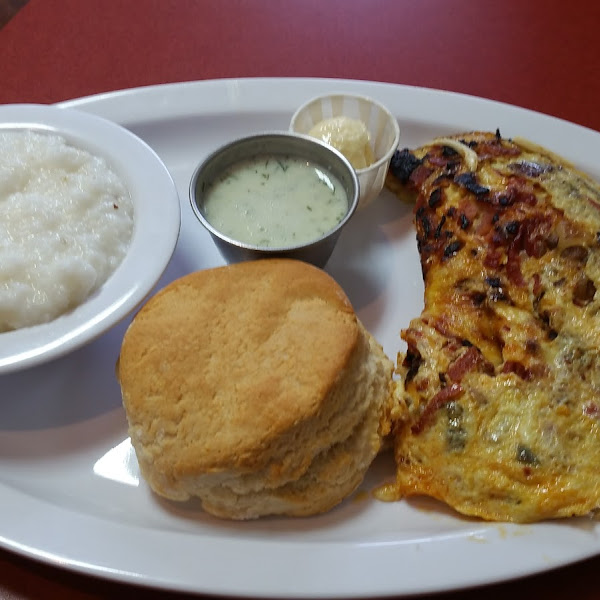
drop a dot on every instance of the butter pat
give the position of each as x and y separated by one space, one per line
349 136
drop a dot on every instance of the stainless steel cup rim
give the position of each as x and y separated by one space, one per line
274 142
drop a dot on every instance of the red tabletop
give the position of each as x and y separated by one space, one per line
538 54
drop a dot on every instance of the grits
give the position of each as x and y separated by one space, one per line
66 220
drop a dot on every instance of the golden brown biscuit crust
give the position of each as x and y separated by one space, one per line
233 375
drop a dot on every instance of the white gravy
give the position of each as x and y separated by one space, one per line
275 201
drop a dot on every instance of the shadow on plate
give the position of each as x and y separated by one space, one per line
362 500
74 388
364 259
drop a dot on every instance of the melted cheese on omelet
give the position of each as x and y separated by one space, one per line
499 389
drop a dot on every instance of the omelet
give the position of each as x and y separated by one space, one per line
498 392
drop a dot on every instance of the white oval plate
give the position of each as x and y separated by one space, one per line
70 490
156 228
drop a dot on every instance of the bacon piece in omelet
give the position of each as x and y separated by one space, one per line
499 388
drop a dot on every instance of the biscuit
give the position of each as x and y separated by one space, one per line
255 388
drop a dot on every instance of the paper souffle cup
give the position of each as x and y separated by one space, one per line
383 129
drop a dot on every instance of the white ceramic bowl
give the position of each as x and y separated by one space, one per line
383 129
155 232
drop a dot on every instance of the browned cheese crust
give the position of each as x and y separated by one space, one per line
499 388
